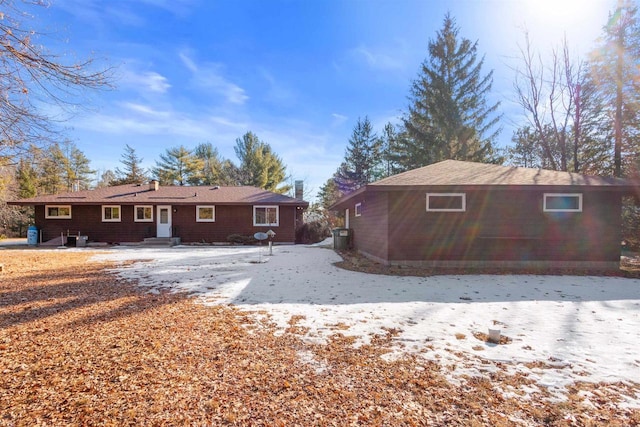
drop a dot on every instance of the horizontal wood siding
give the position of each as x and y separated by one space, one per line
230 220
371 227
505 226
87 220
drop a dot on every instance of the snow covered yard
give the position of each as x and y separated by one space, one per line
557 329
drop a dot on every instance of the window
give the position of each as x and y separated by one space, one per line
143 213
111 214
358 209
57 211
558 202
205 213
265 215
446 202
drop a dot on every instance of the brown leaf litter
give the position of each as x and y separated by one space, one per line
78 346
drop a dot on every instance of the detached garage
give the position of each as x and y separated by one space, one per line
456 213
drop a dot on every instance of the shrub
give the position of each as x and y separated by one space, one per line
312 232
239 239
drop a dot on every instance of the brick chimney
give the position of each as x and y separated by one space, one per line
154 185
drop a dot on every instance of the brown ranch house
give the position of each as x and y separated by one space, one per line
459 214
132 213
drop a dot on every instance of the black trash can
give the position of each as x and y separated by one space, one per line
72 241
341 238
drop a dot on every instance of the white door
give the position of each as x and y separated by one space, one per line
164 221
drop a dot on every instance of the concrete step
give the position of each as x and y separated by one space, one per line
161 241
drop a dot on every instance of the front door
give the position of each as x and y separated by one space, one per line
164 221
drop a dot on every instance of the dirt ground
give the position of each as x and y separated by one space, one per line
80 347
352 260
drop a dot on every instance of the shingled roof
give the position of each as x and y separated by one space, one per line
140 194
455 173
459 173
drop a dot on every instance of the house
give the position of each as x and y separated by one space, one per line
131 213
457 214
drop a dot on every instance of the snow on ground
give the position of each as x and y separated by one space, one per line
582 328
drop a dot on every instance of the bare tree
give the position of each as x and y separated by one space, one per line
31 76
548 97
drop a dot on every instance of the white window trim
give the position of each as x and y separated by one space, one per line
135 213
277 208
47 216
358 209
198 219
464 202
578 195
119 219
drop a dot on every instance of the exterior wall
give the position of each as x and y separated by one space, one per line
87 220
504 225
230 220
370 229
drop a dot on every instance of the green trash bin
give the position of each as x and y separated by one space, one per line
341 238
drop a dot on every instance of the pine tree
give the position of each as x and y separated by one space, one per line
614 69
259 165
211 164
79 173
363 158
53 170
178 166
132 172
449 117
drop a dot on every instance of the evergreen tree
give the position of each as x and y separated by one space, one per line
449 117
132 172
259 165
390 140
614 69
78 173
178 166
211 164
526 151
363 158
53 171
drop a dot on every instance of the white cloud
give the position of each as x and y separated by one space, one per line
208 76
338 119
146 81
377 59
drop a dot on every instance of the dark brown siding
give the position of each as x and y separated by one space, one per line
371 228
504 225
230 220
87 220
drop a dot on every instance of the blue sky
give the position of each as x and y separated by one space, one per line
296 73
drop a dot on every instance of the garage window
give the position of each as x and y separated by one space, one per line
446 202
562 202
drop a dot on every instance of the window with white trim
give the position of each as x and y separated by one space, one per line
446 202
562 202
266 215
111 213
143 213
57 211
205 213
358 209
